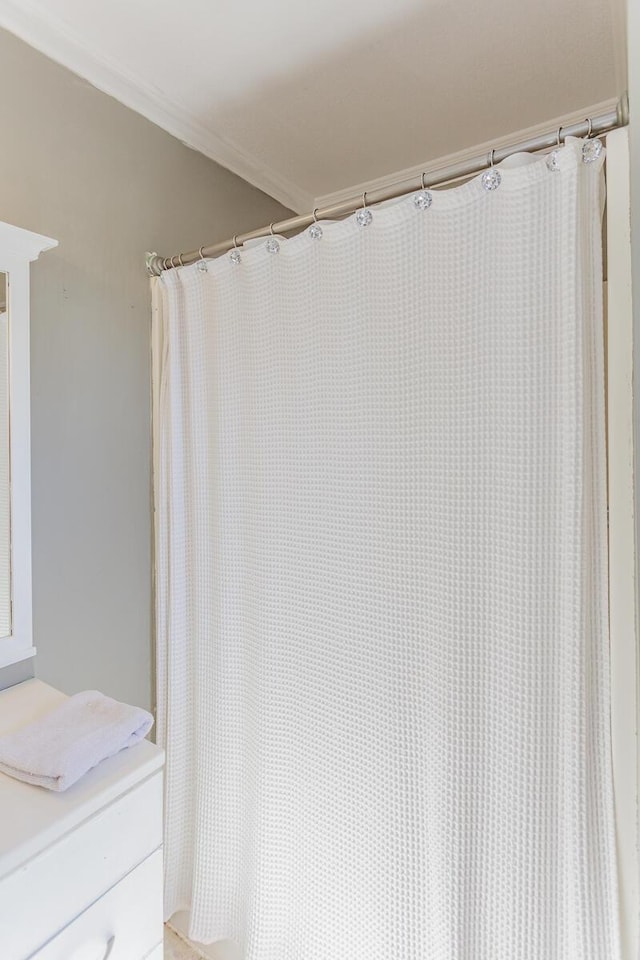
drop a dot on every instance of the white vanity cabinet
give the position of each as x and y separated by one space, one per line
80 871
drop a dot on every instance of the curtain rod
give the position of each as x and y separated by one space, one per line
596 126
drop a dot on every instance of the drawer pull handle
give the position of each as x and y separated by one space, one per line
110 943
89 950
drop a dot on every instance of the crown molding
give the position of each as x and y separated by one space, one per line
33 23
411 174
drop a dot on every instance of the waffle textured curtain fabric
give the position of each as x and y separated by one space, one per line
381 584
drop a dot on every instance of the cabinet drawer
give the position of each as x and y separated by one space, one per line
46 893
124 924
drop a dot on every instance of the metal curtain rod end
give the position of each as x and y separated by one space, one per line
622 110
153 264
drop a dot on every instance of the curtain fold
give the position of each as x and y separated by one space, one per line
381 581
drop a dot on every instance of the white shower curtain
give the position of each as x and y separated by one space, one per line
381 581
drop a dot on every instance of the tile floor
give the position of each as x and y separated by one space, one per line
177 949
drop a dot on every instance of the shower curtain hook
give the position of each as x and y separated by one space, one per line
180 260
235 241
271 229
590 127
202 264
558 136
424 186
363 214
491 156
315 219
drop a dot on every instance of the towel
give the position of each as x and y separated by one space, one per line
60 747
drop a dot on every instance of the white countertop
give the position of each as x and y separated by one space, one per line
31 818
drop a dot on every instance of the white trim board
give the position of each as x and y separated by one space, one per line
622 547
32 22
431 166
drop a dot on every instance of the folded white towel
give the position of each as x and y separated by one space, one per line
62 746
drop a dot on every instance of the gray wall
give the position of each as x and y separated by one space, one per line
108 185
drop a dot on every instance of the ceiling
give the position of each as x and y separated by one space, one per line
312 99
